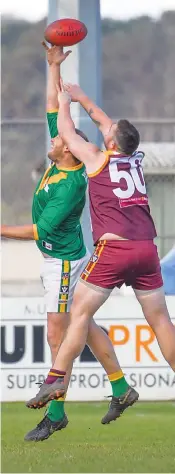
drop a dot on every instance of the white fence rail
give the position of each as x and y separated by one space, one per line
151 129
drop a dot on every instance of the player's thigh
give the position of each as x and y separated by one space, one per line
95 284
154 306
148 286
87 300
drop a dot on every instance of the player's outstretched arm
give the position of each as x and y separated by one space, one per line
99 117
55 57
88 153
21 232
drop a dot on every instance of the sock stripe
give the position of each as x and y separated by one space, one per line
55 375
57 372
61 399
116 376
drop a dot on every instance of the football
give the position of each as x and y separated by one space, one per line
65 32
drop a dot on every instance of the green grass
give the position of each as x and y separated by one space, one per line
143 440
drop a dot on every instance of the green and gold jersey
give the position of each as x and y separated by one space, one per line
58 203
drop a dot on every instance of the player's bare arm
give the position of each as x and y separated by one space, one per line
55 57
99 117
22 232
88 153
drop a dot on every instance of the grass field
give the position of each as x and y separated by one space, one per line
143 440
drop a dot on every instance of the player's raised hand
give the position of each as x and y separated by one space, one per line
74 91
63 96
55 54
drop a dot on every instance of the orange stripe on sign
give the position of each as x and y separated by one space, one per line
98 252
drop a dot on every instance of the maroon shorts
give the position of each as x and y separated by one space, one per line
114 262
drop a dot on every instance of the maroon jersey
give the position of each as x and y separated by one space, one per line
118 198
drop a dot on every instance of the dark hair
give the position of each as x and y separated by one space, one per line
82 135
127 137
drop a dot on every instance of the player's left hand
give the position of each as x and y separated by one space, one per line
74 91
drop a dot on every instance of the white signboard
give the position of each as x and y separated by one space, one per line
25 355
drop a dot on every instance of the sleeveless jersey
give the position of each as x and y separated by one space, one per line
118 198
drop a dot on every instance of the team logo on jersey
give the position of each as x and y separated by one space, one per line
94 258
65 275
46 188
64 290
46 245
85 272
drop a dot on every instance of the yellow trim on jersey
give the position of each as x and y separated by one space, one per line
42 184
74 168
107 154
56 178
52 111
35 232
52 179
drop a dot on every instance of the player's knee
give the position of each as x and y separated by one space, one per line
79 320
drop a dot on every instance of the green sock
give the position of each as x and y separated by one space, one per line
118 383
55 410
